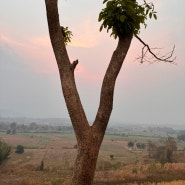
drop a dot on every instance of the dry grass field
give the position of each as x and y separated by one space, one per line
57 151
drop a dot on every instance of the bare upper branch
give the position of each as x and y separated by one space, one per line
155 56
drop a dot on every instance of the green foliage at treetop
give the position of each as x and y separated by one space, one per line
125 17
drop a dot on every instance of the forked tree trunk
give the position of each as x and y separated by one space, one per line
89 138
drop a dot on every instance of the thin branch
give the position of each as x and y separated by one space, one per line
146 48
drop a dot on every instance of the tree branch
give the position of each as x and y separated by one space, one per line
146 48
69 89
108 85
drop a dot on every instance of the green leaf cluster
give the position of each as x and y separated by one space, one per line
124 17
68 35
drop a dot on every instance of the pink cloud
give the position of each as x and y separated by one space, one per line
40 41
35 51
38 55
84 73
86 34
9 41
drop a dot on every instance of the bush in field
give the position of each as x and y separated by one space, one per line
111 157
19 149
41 165
140 146
130 144
75 146
5 150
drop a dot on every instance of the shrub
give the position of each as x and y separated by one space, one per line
130 144
5 151
111 157
75 146
19 149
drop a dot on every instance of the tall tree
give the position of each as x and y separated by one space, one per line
123 18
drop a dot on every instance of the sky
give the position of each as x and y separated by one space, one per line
145 93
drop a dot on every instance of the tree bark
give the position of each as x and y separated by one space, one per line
89 138
85 164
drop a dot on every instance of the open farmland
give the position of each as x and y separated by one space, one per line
117 164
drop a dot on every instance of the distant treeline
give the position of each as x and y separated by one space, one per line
13 127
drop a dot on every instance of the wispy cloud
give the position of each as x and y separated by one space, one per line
84 73
86 35
9 41
40 41
34 51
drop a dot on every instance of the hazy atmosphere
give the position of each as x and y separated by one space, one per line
145 93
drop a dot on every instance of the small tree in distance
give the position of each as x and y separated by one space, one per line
130 144
123 18
111 156
19 149
163 153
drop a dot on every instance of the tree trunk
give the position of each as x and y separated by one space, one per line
89 138
84 167
85 164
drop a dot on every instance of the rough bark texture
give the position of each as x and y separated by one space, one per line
89 138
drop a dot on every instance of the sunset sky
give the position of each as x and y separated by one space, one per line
145 93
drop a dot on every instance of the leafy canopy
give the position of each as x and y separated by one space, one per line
124 17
